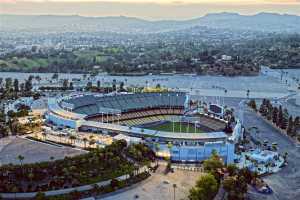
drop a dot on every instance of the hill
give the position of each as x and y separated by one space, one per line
267 22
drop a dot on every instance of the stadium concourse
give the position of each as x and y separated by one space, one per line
135 115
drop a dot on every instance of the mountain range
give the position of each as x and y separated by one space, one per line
266 22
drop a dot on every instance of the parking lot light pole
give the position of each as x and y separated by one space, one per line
174 187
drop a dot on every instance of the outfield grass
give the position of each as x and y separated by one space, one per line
178 127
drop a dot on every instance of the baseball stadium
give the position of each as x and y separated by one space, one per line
165 121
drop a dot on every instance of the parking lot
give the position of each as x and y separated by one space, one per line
285 183
32 151
160 186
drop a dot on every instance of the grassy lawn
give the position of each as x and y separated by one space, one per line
27 63
177 127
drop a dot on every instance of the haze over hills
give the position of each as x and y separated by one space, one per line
267 22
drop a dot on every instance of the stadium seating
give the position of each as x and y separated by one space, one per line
91 105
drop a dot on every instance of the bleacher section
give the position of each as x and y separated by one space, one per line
212 123
146 120
157 114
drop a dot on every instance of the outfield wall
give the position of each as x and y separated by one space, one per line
199 153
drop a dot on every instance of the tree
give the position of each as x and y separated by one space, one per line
290 127
31 77
236 187
262 108
213 163
44 134
71 87
28 85
40 196
72 138
232 169
38 78
16 85
89 85
55 76
84 141
252 104
30 176
280 117
3 130
121 86
206 188
275 115
51 158
297 122
114 88
22 87
21 158
285 118
8 83
92 142
65 84
75 195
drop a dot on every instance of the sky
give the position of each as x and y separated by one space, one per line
147 9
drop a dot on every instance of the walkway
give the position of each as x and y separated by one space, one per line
160 186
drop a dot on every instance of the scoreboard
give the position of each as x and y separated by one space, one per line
216 109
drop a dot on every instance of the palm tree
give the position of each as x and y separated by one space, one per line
91 137
60 136
30 176
170 145
84 141
44 135
92 142
51 158
21 158
247 157
72 138
267 166
274 147
15 190
285 155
